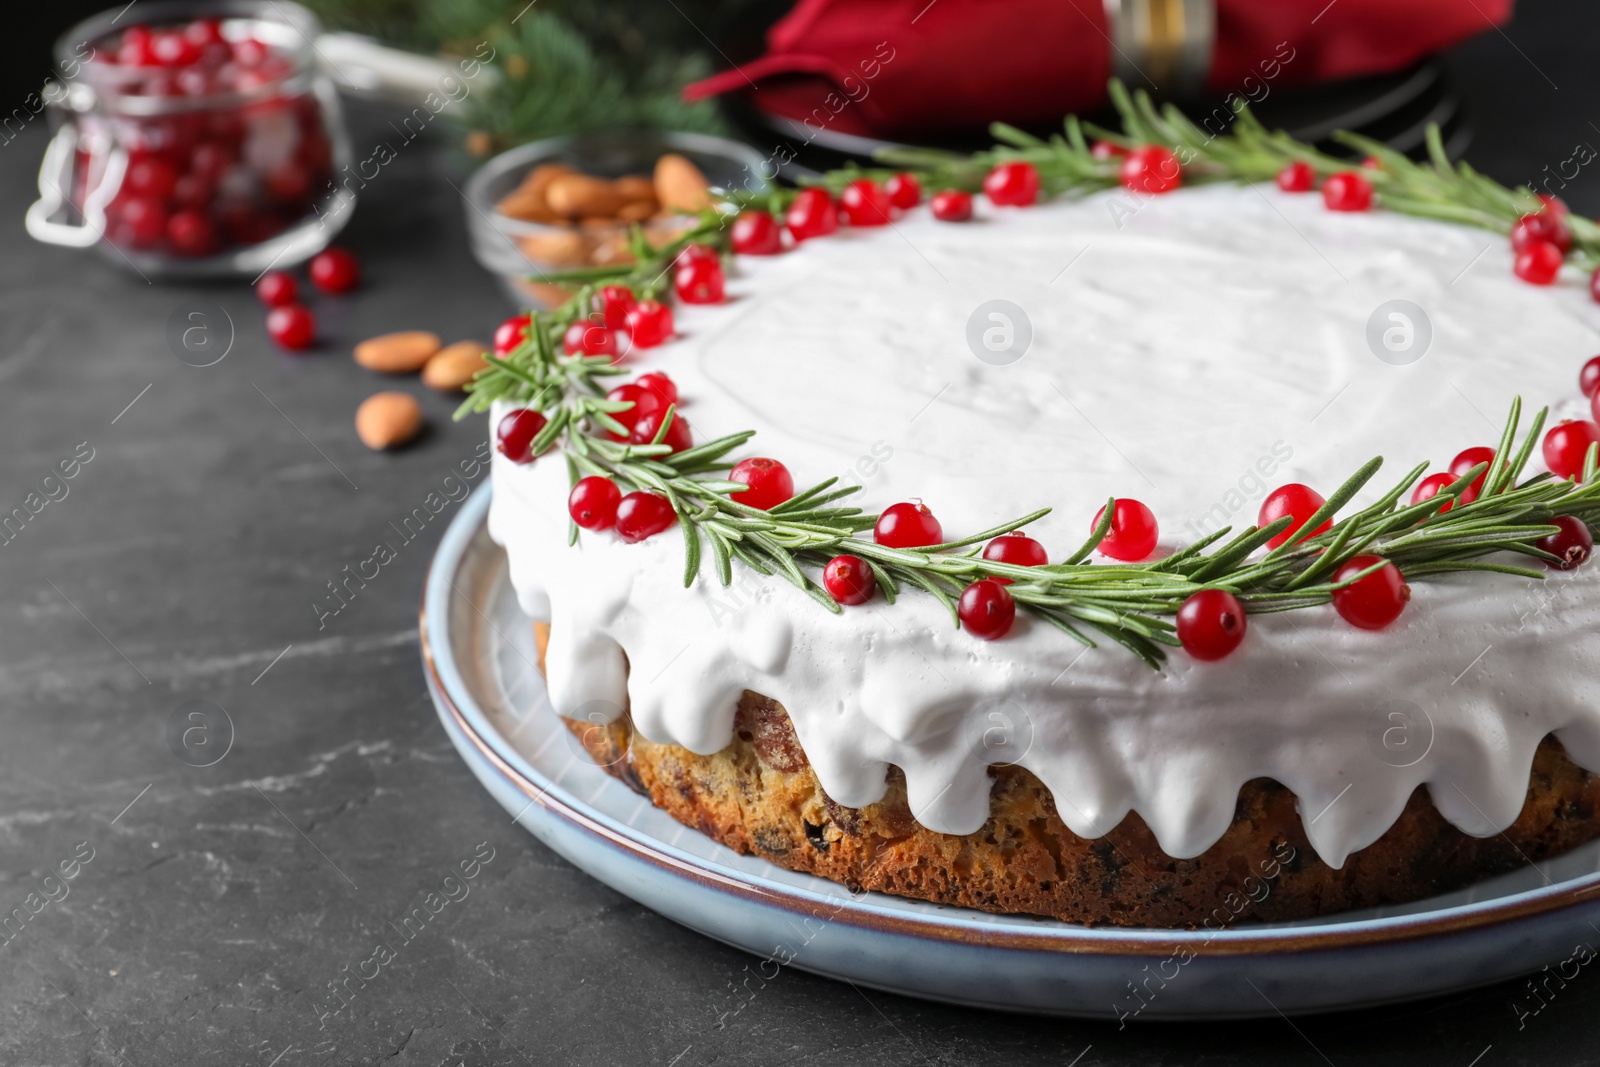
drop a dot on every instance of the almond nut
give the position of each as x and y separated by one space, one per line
528 200
397 353
636 210
680 185
635 187
453 367
557 248
388 420
577 196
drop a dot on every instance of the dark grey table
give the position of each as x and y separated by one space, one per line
221 902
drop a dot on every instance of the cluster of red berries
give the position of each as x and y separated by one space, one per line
289 322
204 178
1566 445
1348 190
864 202
1541 240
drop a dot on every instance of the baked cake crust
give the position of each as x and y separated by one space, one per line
759 796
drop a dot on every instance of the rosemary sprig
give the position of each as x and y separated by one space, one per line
1133 605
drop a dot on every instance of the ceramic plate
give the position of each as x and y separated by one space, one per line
479 657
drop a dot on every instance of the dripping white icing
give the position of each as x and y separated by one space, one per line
1210 347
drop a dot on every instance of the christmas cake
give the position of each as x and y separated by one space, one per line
1121 622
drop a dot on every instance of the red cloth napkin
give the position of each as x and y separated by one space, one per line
902 67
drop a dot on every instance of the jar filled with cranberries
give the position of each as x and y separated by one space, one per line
193 138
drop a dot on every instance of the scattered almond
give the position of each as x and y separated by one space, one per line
388 420
679 184
397 353
453 366
577 196
636 211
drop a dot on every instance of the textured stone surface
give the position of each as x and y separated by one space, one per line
183 564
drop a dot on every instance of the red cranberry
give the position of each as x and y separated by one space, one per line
1211 623
1545 226
812 214
335 270
1432 486
849 580
1347 191
1016 549
1571 544
756 233
1297 177
769 481
202 32
1539 263
905 192
1134 532
511 333
134 51
589 338
951 205
291 326
909 525
1594 285
514 436
987 609
209 160
192 191
649 323
1295 500
1151 169
1566 446
593 503
698 253
173 50
1104 150
865 203
644 402
699 282
615 303
250 52
642 515
1589 377
277 288
141 222
1372 602
665 389
150 176
191 234
1014 184
1465 460
679 436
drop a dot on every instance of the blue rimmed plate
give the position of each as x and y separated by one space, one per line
480 661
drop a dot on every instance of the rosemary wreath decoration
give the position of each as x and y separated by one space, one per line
1132 604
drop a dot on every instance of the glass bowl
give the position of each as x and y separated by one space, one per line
217 159
522 253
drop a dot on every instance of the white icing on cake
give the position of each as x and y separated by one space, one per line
1210 348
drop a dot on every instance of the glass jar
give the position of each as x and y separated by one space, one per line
194 139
